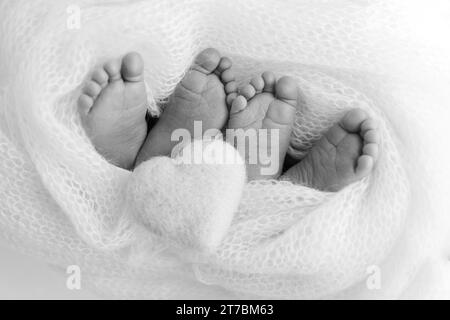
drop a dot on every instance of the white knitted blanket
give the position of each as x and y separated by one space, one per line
202 232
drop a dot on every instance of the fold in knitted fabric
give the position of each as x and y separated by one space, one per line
171 230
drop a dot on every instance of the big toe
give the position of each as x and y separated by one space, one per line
282 110
207 61
286 89
132 67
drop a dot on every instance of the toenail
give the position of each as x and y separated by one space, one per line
248 91
231 97
238 104
231 87
268 76
225 64
227 76
85 102
92 89
371 149
257 83
100 76
371 136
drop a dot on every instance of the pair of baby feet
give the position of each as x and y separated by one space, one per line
113 110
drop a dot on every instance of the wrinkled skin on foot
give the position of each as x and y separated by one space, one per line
113 106
200 96
344 155
265 110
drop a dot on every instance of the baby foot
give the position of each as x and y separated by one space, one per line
269 105
113 109
345 154
200 96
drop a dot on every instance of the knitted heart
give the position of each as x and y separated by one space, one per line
189 200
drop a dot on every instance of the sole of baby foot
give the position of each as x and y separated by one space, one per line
113 106
199 99
344 155
261 122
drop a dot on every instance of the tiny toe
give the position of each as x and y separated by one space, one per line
85 102
207 61
286 89
258 83
371 149
231 87
369 124
101 77
353 120
248 91
112 68
238 104
224 64
269 81
231 97
92 89
132 67
364 166
227 76
372 136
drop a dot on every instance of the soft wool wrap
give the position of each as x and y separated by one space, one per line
174 230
